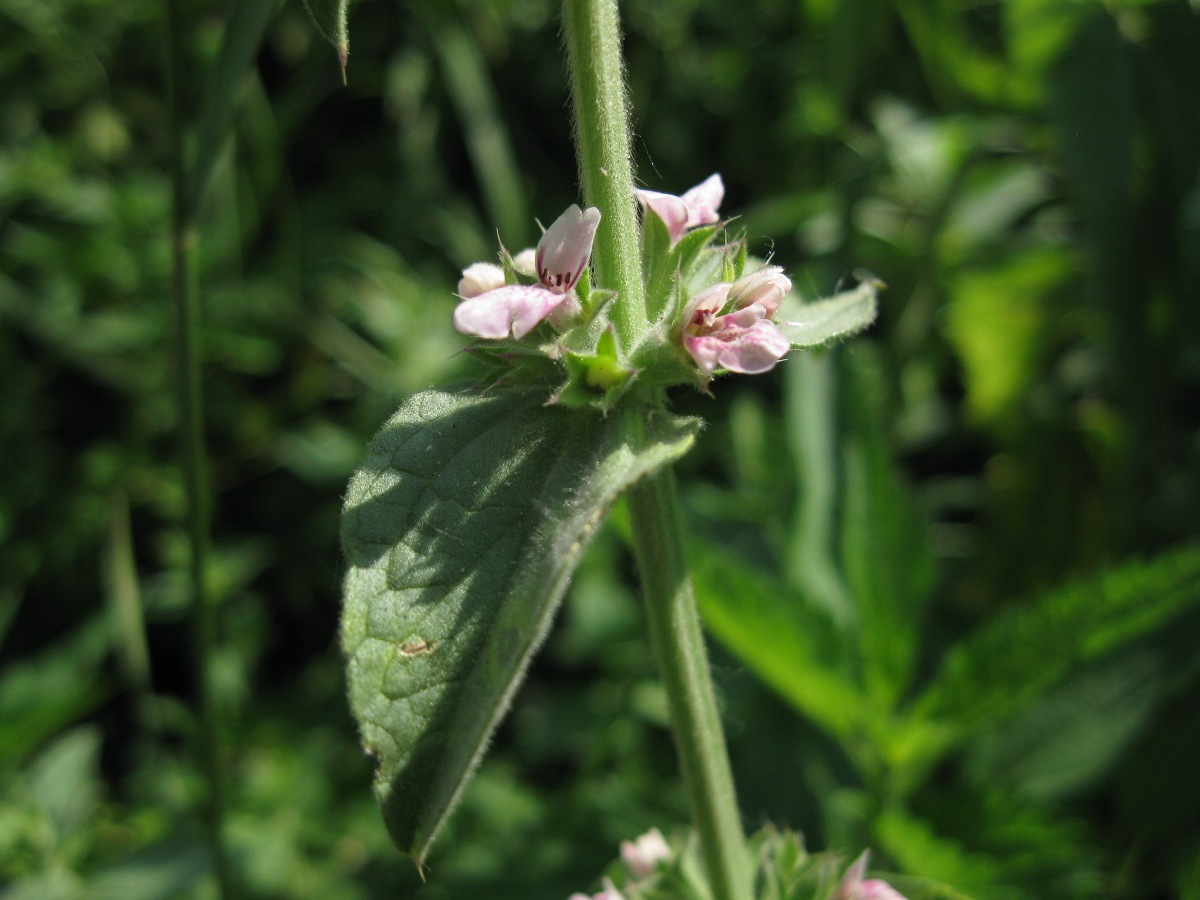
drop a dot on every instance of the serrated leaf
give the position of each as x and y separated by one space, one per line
823 321
330 17
1013 659
1071 737
886 560
462 529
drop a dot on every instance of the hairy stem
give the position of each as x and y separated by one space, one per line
191 406
593 34
679 646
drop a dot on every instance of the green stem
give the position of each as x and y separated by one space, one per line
593 35
593 32
191 406
679 646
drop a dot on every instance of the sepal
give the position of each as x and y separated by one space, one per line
597 379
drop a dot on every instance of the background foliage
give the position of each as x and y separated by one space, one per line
953 566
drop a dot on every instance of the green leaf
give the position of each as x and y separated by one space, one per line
824 321
330 18
811 429
41 695
462 529
1072 736
999 319
922 888
691 261
65 780
918 847
239 48
886 559
1015 658
789 642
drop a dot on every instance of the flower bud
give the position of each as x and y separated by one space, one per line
564 249
480 278
765 287
525 263
643 855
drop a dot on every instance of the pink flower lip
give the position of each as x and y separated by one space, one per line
514 309
747 350
704 200
564 249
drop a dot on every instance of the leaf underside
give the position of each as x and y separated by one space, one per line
462 529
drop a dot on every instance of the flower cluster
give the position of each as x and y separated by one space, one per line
642 858
494 309
712 309
649 859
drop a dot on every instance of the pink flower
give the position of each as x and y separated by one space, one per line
610 892
697 206
744 339
853 887
493 309
643 855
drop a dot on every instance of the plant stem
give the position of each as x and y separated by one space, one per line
593 32
679 645
191 406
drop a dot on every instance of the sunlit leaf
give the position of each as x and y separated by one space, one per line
824 321
462 529
999 319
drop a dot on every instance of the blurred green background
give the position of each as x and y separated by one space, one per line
952 566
